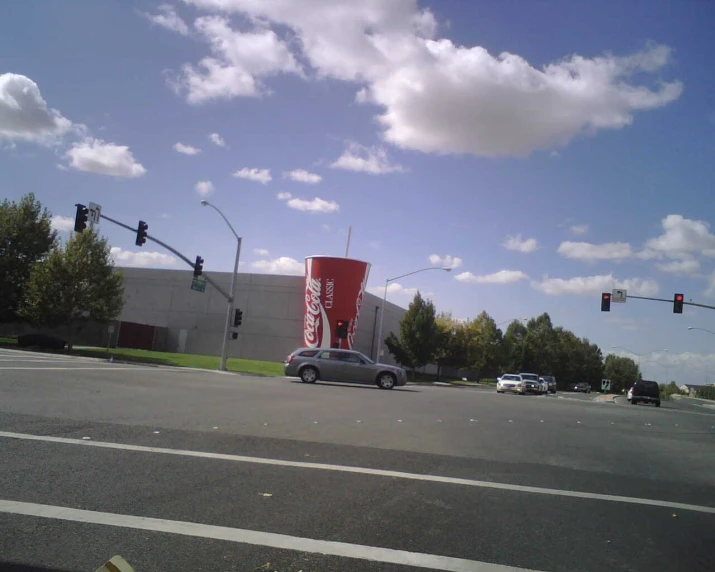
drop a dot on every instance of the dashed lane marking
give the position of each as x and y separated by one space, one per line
363 471
256 538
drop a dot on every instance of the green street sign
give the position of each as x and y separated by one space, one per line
198 284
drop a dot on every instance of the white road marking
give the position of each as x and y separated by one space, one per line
363 471
256 538
113 367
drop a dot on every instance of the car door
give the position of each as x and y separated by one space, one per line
353 368
331 366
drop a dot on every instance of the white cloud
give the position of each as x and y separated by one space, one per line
62 223
519 244
682 267
376 244
303 176
683 238
434 95
142 258
283 196
262 176
167 18
238 62
579 229
710 289
501 277
204 188
96 156
445 261
186 149
616 251
24 115
316 205
217 140
165 216
325 227
261 252
282 265
372 160
595 285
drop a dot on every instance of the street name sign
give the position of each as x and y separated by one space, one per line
95 213
198 284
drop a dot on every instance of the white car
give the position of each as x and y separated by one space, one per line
534 384
511 382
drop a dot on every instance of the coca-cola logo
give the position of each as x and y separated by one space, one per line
358 304
312 327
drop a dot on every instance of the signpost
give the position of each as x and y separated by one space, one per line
198 284
605 385
619 296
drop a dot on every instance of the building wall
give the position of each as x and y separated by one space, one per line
272 313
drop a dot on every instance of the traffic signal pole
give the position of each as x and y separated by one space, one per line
177 253
670 301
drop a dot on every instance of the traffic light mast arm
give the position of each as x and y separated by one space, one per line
173 251
670 301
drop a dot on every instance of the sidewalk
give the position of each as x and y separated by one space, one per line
608 398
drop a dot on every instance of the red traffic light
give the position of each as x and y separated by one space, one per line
679 297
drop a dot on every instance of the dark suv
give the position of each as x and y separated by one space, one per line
645 392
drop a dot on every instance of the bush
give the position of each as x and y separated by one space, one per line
706 392
41 341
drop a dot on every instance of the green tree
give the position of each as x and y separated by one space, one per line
622 371
76 283
26 236
513 347
420 336
483 346
539 345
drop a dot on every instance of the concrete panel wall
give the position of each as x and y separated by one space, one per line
272 313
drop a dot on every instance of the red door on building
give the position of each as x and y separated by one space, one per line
136 336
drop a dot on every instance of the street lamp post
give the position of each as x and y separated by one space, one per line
384 301
232 293
639 355
702 330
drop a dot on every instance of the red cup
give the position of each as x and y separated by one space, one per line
334 291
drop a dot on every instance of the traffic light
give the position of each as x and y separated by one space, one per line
142 227
198 266
606 302
341 329
234 335
80 219
678 300
237 318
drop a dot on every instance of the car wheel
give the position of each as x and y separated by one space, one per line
386 381
308 375
634 402
657 403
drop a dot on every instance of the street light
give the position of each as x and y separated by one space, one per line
513 320
702 330
229 310
384 299
639 355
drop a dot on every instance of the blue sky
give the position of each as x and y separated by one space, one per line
547 150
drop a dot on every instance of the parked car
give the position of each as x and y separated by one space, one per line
550 381
533 385
43 341
644 392
582 387
311 365
511 382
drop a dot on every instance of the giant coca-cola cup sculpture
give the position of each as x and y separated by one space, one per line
334 290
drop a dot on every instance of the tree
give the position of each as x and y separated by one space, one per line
26 236
539 345
483 345
419 340
76 283
513 351
622 371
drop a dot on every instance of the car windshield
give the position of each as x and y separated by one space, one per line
530 376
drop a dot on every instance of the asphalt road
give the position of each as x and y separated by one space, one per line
199 471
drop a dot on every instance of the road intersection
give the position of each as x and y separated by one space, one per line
183 469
